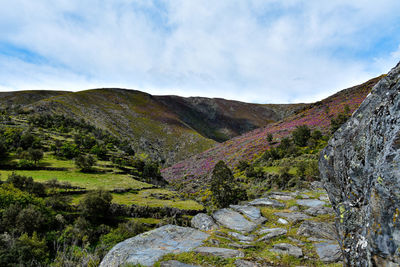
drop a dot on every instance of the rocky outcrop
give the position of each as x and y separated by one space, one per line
360 171
149 247
225 253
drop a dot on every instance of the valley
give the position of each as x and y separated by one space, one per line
91 169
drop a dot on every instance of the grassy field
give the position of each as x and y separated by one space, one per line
151 198
108 181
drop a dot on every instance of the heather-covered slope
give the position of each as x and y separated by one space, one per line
252 144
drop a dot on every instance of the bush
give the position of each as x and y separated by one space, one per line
301 135
223 187
27 184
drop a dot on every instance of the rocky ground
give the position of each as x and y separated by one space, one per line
282 229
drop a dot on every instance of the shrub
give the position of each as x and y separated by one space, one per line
27 184
95 205
85 163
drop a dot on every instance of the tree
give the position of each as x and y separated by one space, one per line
3 150
35 155
301 135
223 187
95 205
85 163
270 137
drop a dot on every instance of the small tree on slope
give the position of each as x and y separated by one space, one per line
223 187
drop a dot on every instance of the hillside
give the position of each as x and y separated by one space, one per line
167 128
251 145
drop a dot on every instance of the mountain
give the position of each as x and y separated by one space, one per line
248 146
167 128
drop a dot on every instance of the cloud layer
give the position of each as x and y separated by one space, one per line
260 51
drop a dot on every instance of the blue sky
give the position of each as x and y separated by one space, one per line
265 51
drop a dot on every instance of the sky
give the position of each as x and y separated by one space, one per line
262 51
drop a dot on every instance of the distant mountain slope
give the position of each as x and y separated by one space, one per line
23 98
168 128
221 119
249 145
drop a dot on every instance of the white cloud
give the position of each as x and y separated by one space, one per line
264 51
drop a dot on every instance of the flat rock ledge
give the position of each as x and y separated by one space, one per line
225 253
149 247
270 233
285 248
267 202
253 213
234 220
317 230
328 252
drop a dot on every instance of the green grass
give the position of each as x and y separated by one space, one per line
144 198
89 181
275 169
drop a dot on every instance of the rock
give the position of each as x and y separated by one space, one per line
328 252
294 217
271 233
300 243
243 263
317 230
203 222
284 248
360 171
241 237
219 252
281 196
242 246
149 247
316 185
319 211
251 212
311 202
282 221
173 263
294 208
267 202
234 220
324 197
304 196
214 242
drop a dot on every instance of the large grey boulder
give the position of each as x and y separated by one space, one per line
360 171
149 247
203 222
234 220
225 253
243 263
317 230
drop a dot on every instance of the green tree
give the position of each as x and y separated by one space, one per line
301 135
35 155
223 187
270 137
95 205
85 163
